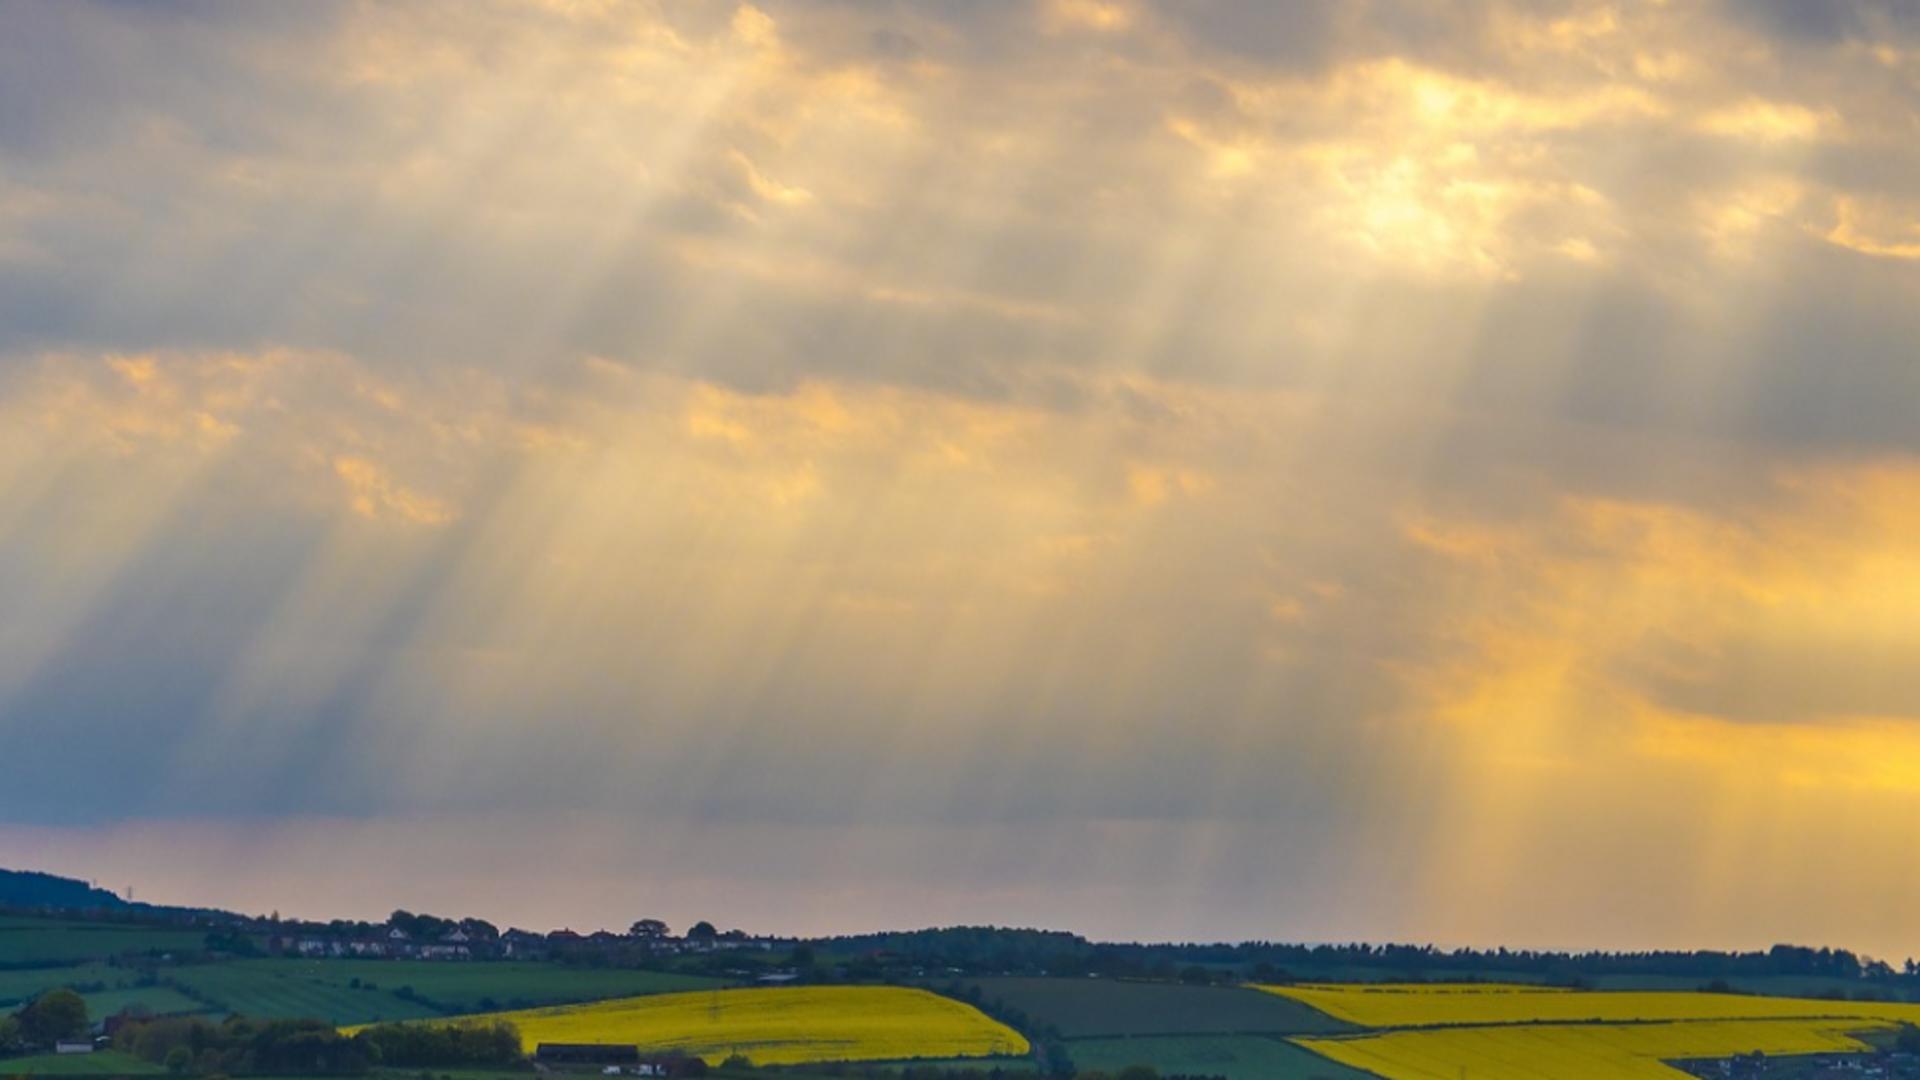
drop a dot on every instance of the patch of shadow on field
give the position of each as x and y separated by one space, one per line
1236 1057
1080 1008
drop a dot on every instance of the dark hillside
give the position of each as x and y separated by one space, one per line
33 889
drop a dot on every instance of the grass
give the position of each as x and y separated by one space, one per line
55 941
489 985
276 989
159 1000
1004 1064
19 985
1404 1005
99 1063
1085 1008
783 1026
1579 1051
1236 1057
325 989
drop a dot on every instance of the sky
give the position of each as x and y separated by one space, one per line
1335 470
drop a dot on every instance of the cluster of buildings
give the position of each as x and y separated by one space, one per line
393 942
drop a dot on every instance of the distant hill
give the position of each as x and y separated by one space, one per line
33 889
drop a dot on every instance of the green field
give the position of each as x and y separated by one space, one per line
286 989
103 1063
492 985
1004 1064
19 985
325 988
1084 1008
53 941
1236 1057
158 1000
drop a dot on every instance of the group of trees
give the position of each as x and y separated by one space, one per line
191 1045
44 1021
237 1046
479 1043
429 927
995 949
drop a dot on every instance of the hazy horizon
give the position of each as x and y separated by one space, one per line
1428 471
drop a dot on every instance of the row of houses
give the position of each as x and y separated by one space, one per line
456 944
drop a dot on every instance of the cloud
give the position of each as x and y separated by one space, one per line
1325 427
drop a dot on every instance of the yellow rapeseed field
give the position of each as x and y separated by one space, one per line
1415 1005
783 1026
1580 1051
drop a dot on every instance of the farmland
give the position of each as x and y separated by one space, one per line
1576 1051
17 986
1381 1005
341 991
781 1026
1235 1057
25 941
104 1063
1514 1033
1084 1008
158 1000
362 991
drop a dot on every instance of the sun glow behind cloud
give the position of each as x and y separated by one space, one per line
1200 474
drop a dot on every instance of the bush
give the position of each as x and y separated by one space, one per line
190 1044
493 1042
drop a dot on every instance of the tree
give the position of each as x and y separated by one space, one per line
179 1060
9 1034
1908 1041
702 931
480 929
649 929
54 1015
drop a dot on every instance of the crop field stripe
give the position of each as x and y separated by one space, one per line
1447 1005
1118 1008
1574 1051
785 1026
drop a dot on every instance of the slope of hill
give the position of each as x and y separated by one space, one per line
33 889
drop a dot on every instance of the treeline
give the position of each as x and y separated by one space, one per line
238 1046
976 949
470 1044
189 1045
